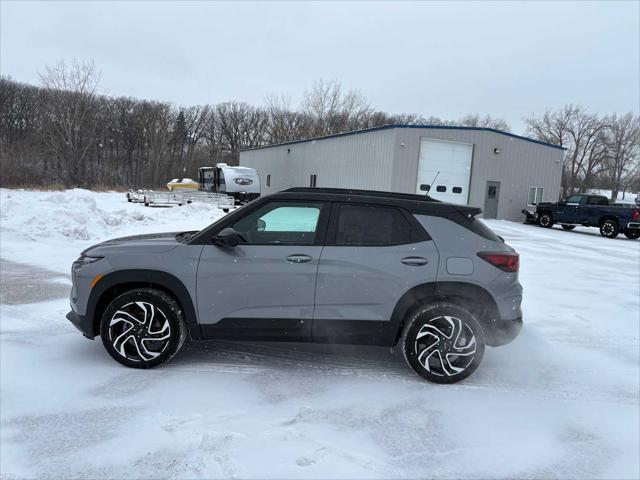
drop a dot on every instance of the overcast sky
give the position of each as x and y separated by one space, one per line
506 59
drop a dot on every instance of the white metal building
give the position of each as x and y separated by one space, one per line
500 172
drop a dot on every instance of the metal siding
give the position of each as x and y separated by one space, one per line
388 160
519 165
363 161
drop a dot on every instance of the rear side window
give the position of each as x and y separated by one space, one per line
362 225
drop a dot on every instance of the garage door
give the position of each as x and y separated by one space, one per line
446 166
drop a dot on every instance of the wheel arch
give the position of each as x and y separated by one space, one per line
604 218
468 295
121 281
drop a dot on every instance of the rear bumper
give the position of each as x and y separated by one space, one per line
501 332
82 323
633 225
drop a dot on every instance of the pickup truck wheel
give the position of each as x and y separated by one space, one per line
632 234
568 227
143 328
546 220
609 229
443 343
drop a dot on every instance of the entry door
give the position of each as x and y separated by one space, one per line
491 200
264 287
446 168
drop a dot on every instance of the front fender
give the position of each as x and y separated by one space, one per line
120 281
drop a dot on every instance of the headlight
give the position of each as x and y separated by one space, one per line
84 260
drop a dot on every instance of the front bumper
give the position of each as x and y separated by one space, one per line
501 332
82 323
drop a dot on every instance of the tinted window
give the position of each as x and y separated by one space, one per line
288 223
573 199
365 225
597 201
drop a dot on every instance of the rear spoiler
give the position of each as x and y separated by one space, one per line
469 212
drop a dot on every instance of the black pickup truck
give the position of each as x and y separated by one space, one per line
588 211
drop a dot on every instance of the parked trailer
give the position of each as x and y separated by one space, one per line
152 197
242 183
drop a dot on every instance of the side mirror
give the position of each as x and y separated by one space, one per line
228 237
424 187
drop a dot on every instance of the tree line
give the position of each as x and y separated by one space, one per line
64 132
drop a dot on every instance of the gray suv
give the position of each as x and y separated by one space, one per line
309 265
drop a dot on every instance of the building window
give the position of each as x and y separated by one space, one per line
535 195
441 188
268 180
312 180
456 189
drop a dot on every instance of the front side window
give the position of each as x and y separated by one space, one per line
360 225
286 223
535 195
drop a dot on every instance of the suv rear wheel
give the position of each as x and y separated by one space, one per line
143 328
443 342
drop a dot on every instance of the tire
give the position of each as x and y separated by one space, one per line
546 220
632 234
568 227
443 324
156 312
609 229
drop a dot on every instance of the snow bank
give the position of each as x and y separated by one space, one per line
37 225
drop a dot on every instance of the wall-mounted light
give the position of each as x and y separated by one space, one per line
497 151
288 150
402 144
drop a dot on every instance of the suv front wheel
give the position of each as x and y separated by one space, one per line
143 328
443 342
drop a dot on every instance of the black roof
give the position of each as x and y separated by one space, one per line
386 127
411 202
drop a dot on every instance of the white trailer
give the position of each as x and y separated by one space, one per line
242 183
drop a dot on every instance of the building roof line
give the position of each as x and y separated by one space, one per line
387 127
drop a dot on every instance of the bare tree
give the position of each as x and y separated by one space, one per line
474 120
71 126
622 145
330 111
582 134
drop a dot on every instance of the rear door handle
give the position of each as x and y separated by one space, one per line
414 261
298 258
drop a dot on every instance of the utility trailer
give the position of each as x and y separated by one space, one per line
241 183
167 198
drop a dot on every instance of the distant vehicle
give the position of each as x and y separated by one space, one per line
310 265
242 183
182 184
589 211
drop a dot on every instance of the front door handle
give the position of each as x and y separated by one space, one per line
415 261
298 258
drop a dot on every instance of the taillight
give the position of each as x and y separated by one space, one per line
636 214
507 262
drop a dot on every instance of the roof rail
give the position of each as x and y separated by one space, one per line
368 193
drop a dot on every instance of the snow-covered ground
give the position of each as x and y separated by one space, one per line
562 401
